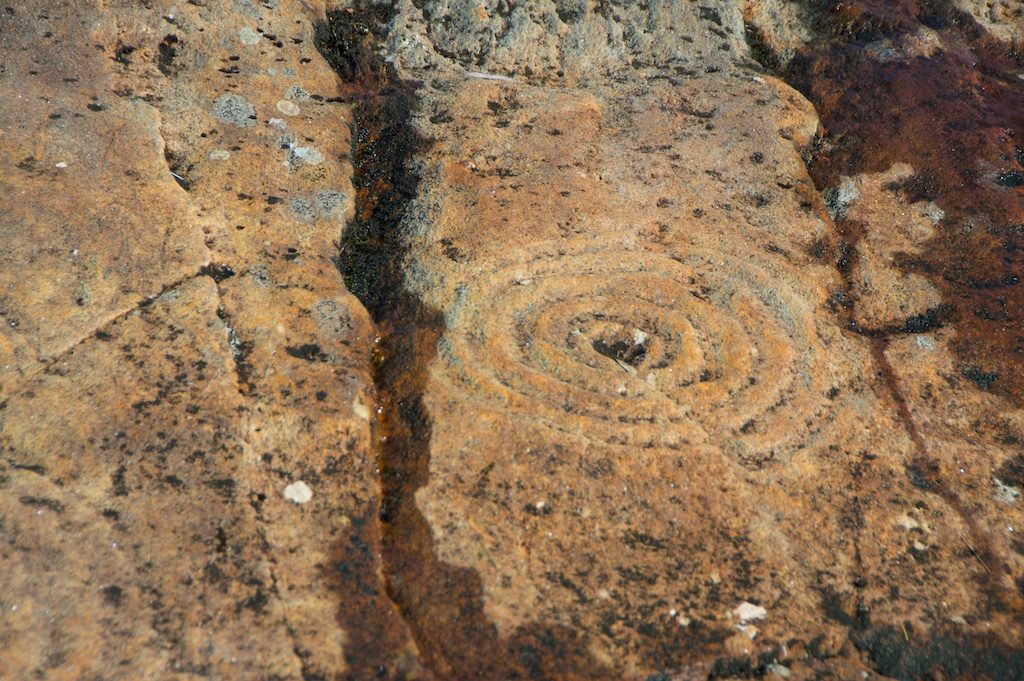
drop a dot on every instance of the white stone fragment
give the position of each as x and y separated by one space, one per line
489 76
748 612
306 156
298 492
249 36
288 108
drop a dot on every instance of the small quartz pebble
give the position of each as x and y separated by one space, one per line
298 492
288 108
219 155
747 612
249 36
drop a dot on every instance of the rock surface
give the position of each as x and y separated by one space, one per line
641 389
623 395
651 399
178 349
882 295
1003 19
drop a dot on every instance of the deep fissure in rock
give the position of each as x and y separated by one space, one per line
442 604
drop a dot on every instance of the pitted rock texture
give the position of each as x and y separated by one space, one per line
1003 19
580 40
644 390
178 350
642 403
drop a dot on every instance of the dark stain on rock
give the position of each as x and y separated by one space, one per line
32 468
309 352
121 54
983 379
217 271
43 502
740 667
945 654
365 613
223 486
113 594
957 117
168 50
257 602
1011 471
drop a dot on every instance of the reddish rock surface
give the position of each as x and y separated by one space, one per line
645 410
639 364
178 348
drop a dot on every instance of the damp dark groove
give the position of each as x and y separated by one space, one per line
442 604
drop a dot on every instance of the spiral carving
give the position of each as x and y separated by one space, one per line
644 349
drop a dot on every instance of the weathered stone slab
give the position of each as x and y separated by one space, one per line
649 406
187 473
649 413
79 166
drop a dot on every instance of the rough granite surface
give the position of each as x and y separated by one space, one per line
682 414
177 349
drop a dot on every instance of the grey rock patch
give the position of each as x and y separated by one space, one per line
1004 493
330 202
324 204
288 108
308 156
296 93
260 274
233 109
331 318
249 36
303 207
838 199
